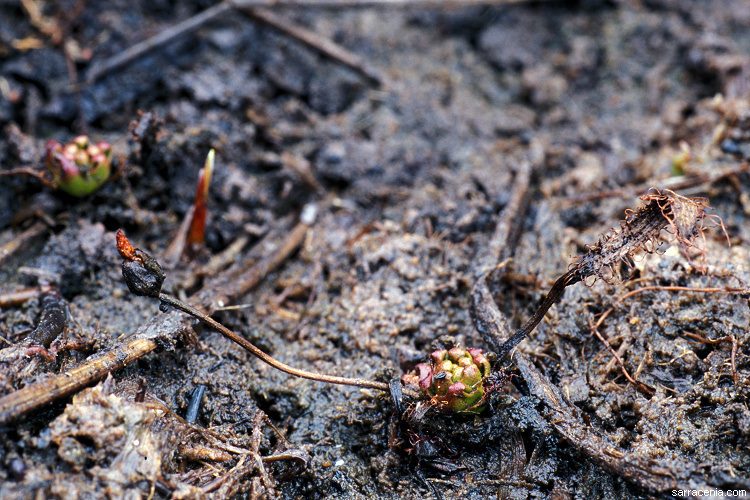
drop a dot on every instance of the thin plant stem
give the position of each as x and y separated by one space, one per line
329 379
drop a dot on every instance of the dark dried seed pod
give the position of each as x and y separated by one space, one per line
144 276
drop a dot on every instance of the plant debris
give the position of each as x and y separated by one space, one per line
641 230
53 322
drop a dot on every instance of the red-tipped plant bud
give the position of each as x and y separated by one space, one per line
197 230
142 273
453 379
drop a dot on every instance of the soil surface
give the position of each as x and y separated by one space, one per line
408 178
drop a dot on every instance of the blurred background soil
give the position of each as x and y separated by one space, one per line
603 99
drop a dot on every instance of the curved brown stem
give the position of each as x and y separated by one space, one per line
255 351
567 279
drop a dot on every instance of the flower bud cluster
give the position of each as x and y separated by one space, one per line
453 378
80 167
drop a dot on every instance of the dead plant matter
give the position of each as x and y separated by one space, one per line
640 230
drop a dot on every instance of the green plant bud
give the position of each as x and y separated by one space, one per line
453 379
79 168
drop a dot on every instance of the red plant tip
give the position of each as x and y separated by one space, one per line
437 356
197 230
124 248
425 376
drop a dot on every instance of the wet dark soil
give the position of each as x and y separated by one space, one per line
410 177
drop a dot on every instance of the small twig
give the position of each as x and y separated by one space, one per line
307 37
485 482
80 121
501 246
287 455
39 394
325 46
176 247
217 262
45 25
164 37
233 475
41 175
674 183
302 167
57 35
256 438
17 298
733 359
20 242
640 385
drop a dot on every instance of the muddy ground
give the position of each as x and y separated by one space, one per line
410 177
